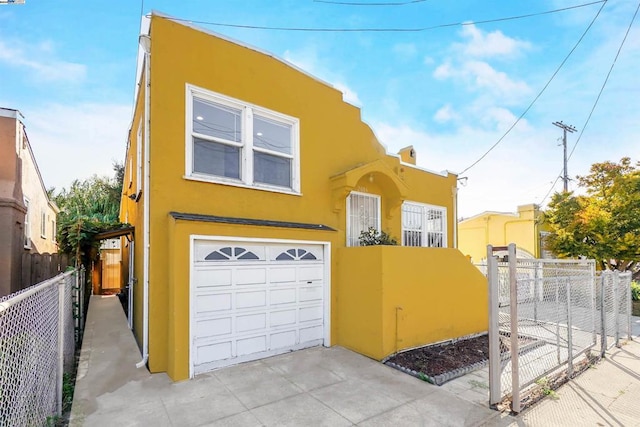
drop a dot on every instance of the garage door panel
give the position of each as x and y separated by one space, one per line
311 273
251 345
251 322
214 351
208 303
250 276
212 327
282 275
282 296
283 318
204 278
310 314
283 339
311 293
311 333
252 299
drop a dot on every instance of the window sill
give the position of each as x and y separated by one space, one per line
242 185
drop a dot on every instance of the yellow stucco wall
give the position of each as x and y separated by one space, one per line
500 229
338 154
392 298
131 211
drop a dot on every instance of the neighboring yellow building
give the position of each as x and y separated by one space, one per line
249 182
523 228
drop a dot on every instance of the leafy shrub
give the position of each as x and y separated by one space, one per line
635 291
372 237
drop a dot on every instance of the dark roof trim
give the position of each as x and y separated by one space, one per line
112 234
248 221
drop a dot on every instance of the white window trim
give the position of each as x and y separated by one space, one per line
426 207
43 224
246 145
53 231
348 211
27 225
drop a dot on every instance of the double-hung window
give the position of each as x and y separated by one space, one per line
424 225
363 212
236 143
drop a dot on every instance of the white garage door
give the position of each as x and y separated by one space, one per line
252 300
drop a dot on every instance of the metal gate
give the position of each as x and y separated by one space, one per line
549 319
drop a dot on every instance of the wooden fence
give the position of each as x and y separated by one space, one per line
37 268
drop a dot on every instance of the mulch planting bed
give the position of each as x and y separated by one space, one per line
443 362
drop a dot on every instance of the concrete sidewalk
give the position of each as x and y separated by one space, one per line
319 386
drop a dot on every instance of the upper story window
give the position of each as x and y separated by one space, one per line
363 212
236 143
424 225
27 225
43 224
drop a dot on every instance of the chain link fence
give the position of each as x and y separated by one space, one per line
39 329
557 316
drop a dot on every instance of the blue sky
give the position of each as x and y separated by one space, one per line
451 92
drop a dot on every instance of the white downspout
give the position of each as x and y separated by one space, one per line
145 42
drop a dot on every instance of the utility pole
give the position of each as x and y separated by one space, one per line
565 129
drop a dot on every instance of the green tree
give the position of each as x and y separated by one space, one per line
604 222
87 208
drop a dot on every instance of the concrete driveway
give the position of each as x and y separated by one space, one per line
317 386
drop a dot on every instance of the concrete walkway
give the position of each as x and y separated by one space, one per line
320 386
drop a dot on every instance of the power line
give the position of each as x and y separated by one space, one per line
383 30
605 81
596 101
540 93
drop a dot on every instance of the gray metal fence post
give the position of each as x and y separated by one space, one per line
603 315
629 310
61 290
569 331
592 294
536 291
494 332
616 307
513 306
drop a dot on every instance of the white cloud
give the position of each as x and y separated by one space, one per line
479 75
307 60
446 114
485 76
443 71
40 60
76 141
405 50
495 43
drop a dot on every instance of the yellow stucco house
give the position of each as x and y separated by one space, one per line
524 228
248 182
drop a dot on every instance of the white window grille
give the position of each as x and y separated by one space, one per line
235 143
27 226
363 212
424 225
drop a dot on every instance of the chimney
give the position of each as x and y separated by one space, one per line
408 155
